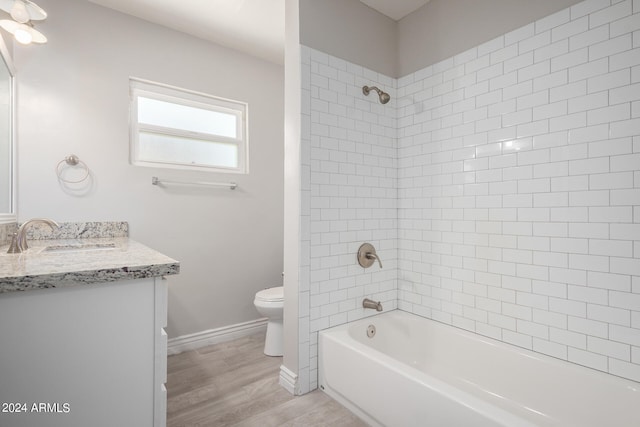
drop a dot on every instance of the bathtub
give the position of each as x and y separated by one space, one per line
418 372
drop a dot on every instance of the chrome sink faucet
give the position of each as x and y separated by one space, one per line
19 240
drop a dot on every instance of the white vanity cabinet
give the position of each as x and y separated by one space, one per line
87 355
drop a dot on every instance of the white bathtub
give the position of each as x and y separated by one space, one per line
417 372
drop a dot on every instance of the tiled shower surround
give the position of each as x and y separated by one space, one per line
501 186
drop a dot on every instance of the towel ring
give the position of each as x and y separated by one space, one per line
72 160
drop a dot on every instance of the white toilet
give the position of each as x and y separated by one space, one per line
270 304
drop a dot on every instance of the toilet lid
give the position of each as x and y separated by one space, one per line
271 294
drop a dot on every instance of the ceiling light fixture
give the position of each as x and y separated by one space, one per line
23 12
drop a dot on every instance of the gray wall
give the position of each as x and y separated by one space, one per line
352 31
74 98
443 28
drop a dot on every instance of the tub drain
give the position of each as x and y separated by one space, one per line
371 331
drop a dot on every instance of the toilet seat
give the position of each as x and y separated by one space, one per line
271 295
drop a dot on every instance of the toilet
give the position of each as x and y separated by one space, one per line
270 304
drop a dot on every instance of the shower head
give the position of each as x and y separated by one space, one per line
384 96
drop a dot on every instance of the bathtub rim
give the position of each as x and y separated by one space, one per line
342 331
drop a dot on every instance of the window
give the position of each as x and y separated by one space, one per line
176 128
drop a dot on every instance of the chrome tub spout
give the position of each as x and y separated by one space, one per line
368 303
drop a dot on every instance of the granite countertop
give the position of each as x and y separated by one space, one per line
59 263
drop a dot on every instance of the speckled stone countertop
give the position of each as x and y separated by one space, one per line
56 263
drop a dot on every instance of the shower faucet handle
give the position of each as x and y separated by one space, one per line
373 255
367 255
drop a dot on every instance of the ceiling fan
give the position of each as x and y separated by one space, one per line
23 12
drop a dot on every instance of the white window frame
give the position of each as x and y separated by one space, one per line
172 94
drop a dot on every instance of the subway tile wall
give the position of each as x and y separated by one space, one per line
501 188
349 197
519 187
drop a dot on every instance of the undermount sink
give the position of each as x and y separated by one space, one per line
70 247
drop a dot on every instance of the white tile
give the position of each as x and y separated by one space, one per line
609 348
615 180
618 282
588 38
602 313
556 139
610 47
608 114
589 198
589 134
547 111
518 62
532 329
589 262
567 91
534 42
624 334
569 245
587 359
568 152
625 25
624 300
610 14
586 7
625 197
519 34
569 29
570 59
624 369
590 69
551 51
553 80
589 230
570 214
500 81
629 266
625 59
611 80
610 147
627 162
500 55
624 94
619 248
589 102
544 200
589 166
534 128
572 308
618 214
570 121
589 295
624 128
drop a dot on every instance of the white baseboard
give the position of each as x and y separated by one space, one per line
214 336
289 380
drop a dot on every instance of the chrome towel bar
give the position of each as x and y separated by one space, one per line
157 181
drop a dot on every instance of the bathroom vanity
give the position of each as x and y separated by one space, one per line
82 339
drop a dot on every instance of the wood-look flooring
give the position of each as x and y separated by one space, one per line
235 384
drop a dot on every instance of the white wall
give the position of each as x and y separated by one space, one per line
518 189
73 98
349 197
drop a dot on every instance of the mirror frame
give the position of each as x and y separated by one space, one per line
11 217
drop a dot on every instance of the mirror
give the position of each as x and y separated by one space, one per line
7 147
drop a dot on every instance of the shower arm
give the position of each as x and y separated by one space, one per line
367 89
